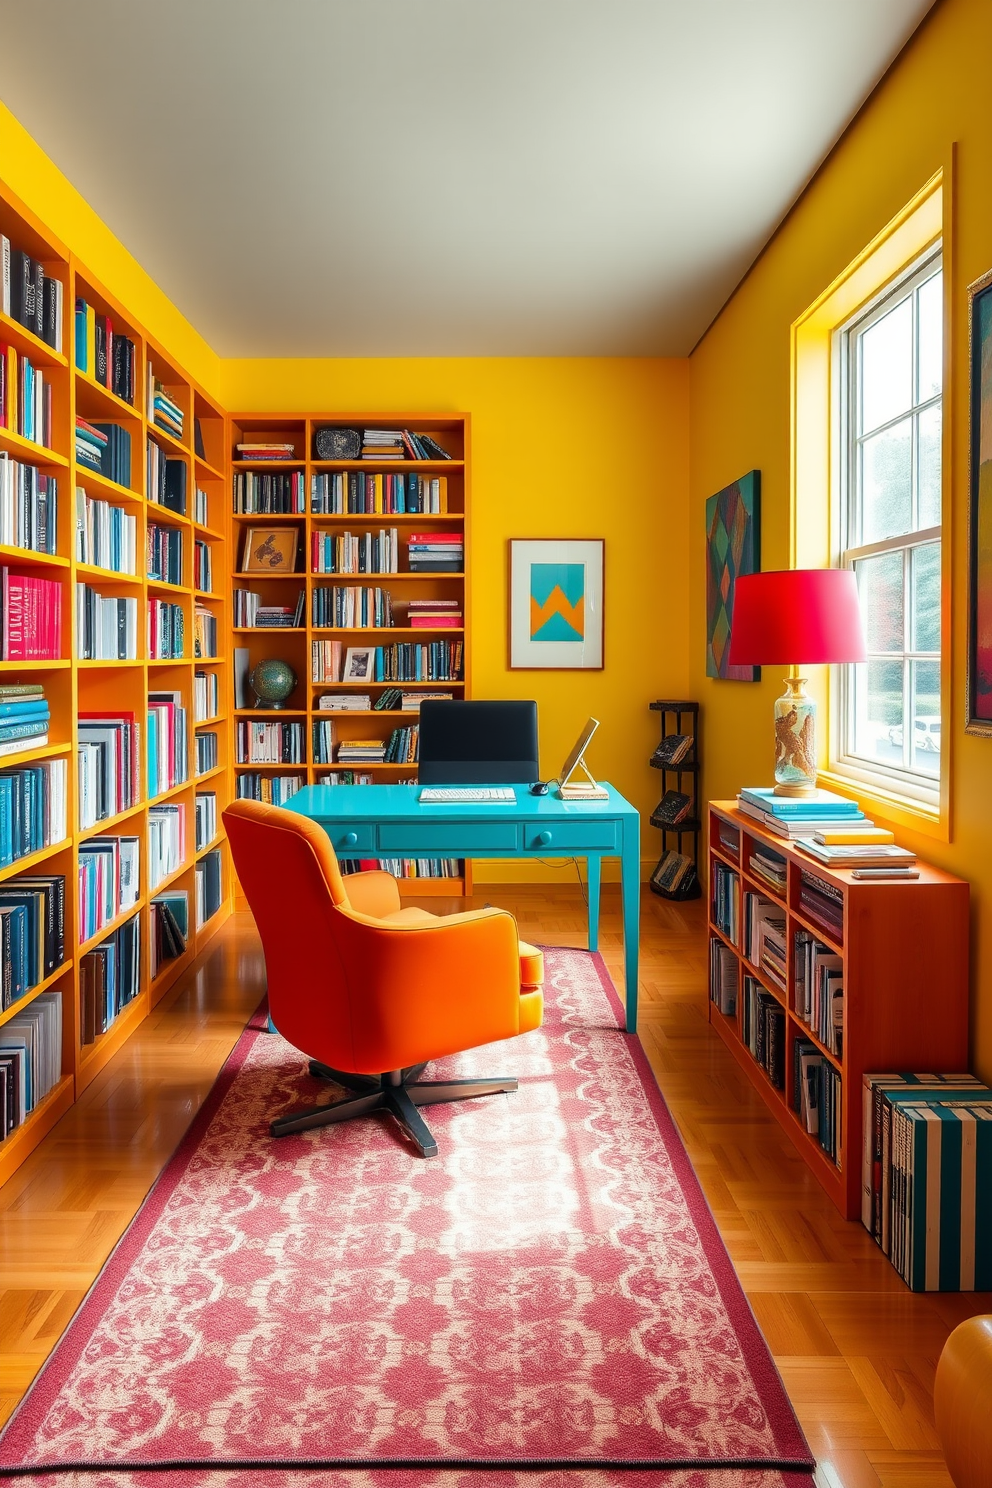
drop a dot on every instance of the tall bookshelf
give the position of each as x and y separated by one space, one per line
73 685
294 646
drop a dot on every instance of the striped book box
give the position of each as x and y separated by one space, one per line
941 1193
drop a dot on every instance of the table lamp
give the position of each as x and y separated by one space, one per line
796 617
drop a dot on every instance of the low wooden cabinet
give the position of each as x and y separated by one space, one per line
900 947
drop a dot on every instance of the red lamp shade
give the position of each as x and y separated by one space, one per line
796 615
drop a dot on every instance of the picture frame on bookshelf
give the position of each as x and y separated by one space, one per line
733 548
979 720
359 664
556 604
270 550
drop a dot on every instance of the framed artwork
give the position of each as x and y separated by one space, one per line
359 664
270 550
556 603
733 547
980 510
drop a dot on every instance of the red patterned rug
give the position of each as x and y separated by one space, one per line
547 1299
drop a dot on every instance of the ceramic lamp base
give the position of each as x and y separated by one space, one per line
795 740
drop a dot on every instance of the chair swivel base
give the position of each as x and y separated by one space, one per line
400 1092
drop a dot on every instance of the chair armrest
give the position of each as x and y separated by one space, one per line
373 893
962 1390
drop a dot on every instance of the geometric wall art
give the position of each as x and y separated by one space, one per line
733 547
556 603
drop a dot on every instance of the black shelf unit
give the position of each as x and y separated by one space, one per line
673 712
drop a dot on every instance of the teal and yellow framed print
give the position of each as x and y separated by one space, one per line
556 603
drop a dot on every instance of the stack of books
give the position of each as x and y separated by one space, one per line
878 857
104 354
345 702
434 614
163 412
361 752
793 817
251 614
24 717
383 444
823 903
28 511
436 552
30 296
265 450
104 448
769 866
409 702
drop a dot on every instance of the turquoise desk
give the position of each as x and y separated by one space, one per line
388 821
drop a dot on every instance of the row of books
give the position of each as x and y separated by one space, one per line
273 790
400 444
274 493
166 631
206 696
33 809
103 353
24 717
28 506
348 553
205 633
263 450
203 566
106 625
817 1096
763 1029
400 748
166 841
360 493
168 749
105 449
162 410
823 903
109 880
169 927
723 977
201 507
260 742
108 775
436 552
30 296
818 990
31 617
351 607
391 699
725 900
166 479
109 979
205 818
30 1059
32 934
764 937
207 756
770 867
406 867
208 879
252 613
106 535
164 554
926 1171
25 397
404 661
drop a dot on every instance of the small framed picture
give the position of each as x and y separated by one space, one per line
270 550
556 603
359 664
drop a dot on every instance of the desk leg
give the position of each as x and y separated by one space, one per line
594 865
630 872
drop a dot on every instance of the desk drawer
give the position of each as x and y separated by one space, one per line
572 837
352 842
449 839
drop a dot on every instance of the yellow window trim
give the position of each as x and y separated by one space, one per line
814 477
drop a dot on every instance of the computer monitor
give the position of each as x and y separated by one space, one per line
478 743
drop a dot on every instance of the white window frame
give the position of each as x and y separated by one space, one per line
914 786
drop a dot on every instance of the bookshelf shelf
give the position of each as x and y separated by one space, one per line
903 960
106 687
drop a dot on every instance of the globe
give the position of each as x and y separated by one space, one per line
272 681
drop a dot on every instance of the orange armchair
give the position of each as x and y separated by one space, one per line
369 990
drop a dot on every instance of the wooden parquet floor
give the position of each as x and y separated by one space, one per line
857 1351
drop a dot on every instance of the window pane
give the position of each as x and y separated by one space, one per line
929 477
926 717
887 367
880 585
887 483
926 598
878 711
931 348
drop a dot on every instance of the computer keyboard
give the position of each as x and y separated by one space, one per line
462 795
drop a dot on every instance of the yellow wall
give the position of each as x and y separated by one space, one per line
570 447
42 187
932 107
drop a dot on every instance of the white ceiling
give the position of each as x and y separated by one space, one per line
444 177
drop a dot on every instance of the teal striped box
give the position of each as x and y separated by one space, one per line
941 1193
